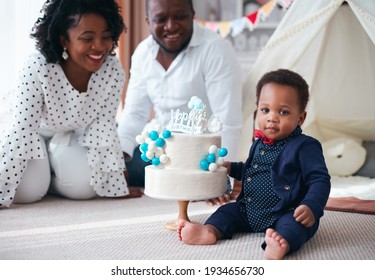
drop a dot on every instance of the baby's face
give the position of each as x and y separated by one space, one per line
279 111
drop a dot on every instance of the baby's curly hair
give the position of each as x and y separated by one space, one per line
288 78
60 15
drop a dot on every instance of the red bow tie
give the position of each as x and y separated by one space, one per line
266 140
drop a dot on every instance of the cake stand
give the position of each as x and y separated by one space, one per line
182 214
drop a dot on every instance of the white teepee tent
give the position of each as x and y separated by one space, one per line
331 43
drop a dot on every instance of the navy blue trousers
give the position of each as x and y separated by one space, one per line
136 169
229 219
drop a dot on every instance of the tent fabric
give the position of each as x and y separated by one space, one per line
331 43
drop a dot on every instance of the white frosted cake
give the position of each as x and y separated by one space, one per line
181 177
186 163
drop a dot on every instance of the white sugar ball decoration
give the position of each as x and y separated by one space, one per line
139 139
152 147
150 155
212 149
159 151
144 134
212 167
163 158
214 159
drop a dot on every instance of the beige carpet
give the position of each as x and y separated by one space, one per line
110 229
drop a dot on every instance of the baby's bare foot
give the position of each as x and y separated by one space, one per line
277 246
195 234
180 224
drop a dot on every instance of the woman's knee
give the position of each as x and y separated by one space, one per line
71 171
72 189
35 182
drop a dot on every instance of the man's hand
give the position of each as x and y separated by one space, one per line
134 192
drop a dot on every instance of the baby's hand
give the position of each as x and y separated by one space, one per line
226 164
304 215
221 200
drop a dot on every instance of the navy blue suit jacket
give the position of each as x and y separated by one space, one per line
299 175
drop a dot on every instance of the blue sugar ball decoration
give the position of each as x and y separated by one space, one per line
144 157
211 158
154 135
166 134
222 152
156 161
144 147
160 142
204 164
213 155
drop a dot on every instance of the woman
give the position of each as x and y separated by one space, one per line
63 138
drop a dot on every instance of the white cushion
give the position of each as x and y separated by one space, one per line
343 156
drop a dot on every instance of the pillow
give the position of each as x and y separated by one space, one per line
368 168
343 156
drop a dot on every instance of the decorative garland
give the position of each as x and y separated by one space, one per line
250 21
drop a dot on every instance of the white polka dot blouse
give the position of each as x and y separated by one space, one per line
46 104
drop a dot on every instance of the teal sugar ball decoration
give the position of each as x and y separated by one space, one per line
211 158
222 152
156 161
166 134
144 157
154 135
204 164
160 142
144 147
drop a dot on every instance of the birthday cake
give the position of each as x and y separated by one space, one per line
185 162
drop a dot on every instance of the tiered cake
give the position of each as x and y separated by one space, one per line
185 166
182 178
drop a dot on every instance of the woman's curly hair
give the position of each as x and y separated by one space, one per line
60 15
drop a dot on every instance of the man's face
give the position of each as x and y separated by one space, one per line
171 24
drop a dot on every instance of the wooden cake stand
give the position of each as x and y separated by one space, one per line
182 214
183 206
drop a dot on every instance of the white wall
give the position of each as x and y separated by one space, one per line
17 17
215 10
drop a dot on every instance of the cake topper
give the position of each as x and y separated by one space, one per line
195 121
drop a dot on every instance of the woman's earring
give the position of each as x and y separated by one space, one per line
112 51
65 54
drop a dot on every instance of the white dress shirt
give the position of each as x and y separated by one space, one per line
208 68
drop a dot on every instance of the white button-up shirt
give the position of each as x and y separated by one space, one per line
208 68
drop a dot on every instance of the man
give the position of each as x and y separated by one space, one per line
180 59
